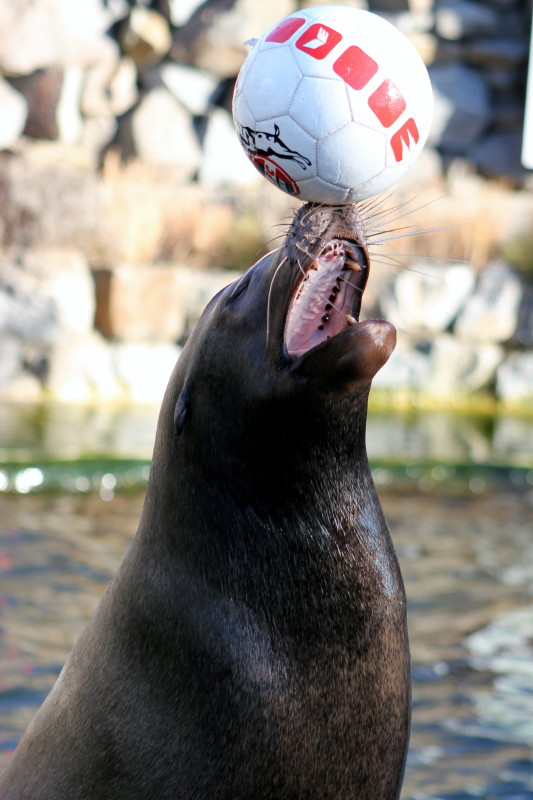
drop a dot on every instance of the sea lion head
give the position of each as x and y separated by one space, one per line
281 350
294 315
323 338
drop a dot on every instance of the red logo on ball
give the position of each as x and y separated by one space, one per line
318 41
275 174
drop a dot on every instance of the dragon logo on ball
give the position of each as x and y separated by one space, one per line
260 145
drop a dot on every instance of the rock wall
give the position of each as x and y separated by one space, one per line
154 79
84 316
477 54
74 334
459 332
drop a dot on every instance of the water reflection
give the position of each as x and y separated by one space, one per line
59 431
66 432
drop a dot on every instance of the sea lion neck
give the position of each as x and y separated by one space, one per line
263 450
253 643
257 384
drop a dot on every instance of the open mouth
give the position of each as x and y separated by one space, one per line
327 300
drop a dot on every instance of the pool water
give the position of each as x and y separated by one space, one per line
467 561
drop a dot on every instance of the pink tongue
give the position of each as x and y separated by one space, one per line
317 312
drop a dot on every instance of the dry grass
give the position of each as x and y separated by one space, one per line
151 218
137 213
469 220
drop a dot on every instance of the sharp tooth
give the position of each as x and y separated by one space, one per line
352 265
350 320
314 265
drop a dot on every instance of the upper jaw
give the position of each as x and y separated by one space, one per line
326 300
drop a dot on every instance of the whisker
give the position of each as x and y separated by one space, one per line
414 233
381 211
353 285
422 258
376 202
304 251
410 211
302 270
399 265
275 238
381 231
282 262
387 211
274 250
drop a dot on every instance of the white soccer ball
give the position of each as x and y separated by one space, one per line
333 104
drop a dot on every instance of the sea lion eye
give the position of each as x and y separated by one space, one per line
180 412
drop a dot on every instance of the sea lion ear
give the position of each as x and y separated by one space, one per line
180 412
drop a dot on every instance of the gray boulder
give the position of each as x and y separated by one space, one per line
163 134
14 114
457 367
499 156
407 369
224 163
47 38
462 107
46 296
52 33
144 369
463 19
65 282
514 379
192 88
414 21
182 10
81 369
16 382
27 312
491 313
11 358
212 39
427 298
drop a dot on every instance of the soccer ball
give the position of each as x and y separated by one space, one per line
333 104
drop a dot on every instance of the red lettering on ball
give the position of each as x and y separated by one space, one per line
355 67
318 41
387 103
405 135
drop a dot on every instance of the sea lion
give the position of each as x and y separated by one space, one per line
253 643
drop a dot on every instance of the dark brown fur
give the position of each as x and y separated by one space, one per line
253 643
